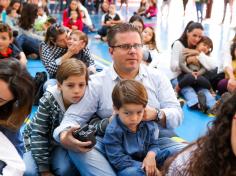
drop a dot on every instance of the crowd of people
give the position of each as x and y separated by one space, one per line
133 107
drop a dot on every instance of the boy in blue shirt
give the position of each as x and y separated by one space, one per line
131 144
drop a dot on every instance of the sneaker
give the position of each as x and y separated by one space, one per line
97 36
224 97
202 101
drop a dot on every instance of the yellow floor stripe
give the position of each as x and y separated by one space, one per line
101 59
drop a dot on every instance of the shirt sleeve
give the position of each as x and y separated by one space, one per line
154 146
11 162
48 59
115 152
208 62
40 143
176 54
168 102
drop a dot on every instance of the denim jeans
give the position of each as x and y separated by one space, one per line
60 163
190 95
94 162
28 44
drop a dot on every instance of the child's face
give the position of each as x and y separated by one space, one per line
5 41
73 89
40 11
75 40
74 15
147 35
112 9
203 47
138 25
131 115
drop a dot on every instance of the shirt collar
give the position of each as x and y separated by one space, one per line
142 73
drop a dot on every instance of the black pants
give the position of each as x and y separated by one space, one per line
189 80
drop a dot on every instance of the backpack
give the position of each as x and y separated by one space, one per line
39 80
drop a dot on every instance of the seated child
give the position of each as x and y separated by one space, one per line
43 155
75 21
193 73
150 49
40 20
152 10
7 48
131 144
108 20
79 38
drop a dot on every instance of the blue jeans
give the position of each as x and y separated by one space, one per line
94 162
28 44
138 171
190 95
60 163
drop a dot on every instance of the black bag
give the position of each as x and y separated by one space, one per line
39 80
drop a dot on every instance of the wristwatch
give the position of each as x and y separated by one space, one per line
159 114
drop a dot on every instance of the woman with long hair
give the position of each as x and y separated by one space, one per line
16 90
213 154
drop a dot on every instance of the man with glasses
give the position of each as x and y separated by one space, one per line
125 47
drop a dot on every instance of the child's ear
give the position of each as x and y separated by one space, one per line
115 109
59 86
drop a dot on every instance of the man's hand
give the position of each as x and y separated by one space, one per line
69 142
149 114
195 74
231 85
149 164
46 173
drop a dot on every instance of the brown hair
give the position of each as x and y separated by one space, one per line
21 85
120 28
71 67
6 28
206 40
81 35
129 91
53 32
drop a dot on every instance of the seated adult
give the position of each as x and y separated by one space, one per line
125 47
214 153
195 98
26 38
55 47
16 89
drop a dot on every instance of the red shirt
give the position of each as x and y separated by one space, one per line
69 23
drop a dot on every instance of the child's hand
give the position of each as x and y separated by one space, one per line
149 164
73 27
195 74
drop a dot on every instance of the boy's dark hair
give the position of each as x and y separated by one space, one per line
81 35
206 40
129 92
6 28
120 28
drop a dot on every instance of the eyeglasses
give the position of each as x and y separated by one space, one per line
128 46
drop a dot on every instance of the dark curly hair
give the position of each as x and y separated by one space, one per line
213 155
